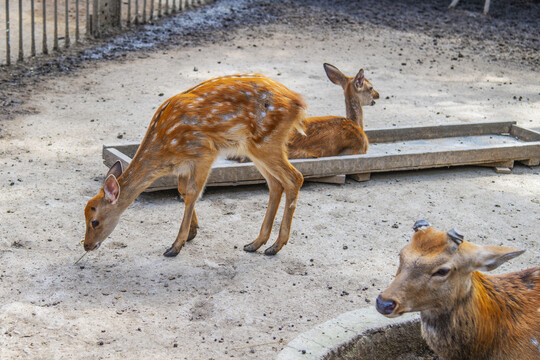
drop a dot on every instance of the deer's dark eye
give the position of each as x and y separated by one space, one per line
441 272
95 224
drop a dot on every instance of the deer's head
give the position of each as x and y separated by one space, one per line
354 87
101 212
435 270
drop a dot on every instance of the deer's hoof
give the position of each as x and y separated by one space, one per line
250 248
192 234
272 250
170 253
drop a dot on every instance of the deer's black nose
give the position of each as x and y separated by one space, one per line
385 307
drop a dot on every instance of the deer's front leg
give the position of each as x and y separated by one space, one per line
292 181
193 186
182 186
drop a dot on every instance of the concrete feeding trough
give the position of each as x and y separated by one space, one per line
361 335
494 144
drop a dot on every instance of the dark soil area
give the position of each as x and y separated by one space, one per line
508 33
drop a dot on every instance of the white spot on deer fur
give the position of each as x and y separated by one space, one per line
174 142
263 96
172 128
271 108
235 128
199 99
227 117
263 113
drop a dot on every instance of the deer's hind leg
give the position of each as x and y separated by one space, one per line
276 190
283 177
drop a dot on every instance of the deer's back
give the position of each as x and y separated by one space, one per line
225 112
328 136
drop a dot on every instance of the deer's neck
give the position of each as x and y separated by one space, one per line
467 329
354 110
141 173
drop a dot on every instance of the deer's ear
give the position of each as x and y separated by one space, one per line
359 79
335 76
487 258
111 188
115 170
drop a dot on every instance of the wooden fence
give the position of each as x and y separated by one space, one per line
34 27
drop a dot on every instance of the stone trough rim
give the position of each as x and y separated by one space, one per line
319 342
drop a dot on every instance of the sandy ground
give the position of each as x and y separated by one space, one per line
214 300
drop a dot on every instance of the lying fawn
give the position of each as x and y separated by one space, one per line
241 114
464 313
486 5
334 135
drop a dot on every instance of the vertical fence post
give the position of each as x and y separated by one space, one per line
21 52
136 12
77 38
66 39
33 40
88 21
95 17
151 9
159 9
8 49
106 15
144 12
44 48
55 40
128 18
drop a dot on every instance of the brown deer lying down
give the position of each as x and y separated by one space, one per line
464 313
244 114
335 135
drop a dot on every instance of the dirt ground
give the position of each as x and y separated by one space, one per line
215 301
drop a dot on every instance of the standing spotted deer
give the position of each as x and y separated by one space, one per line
242 114
464 313
335 135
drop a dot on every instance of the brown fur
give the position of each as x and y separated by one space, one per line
328 136
497 319
245 114
467 314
